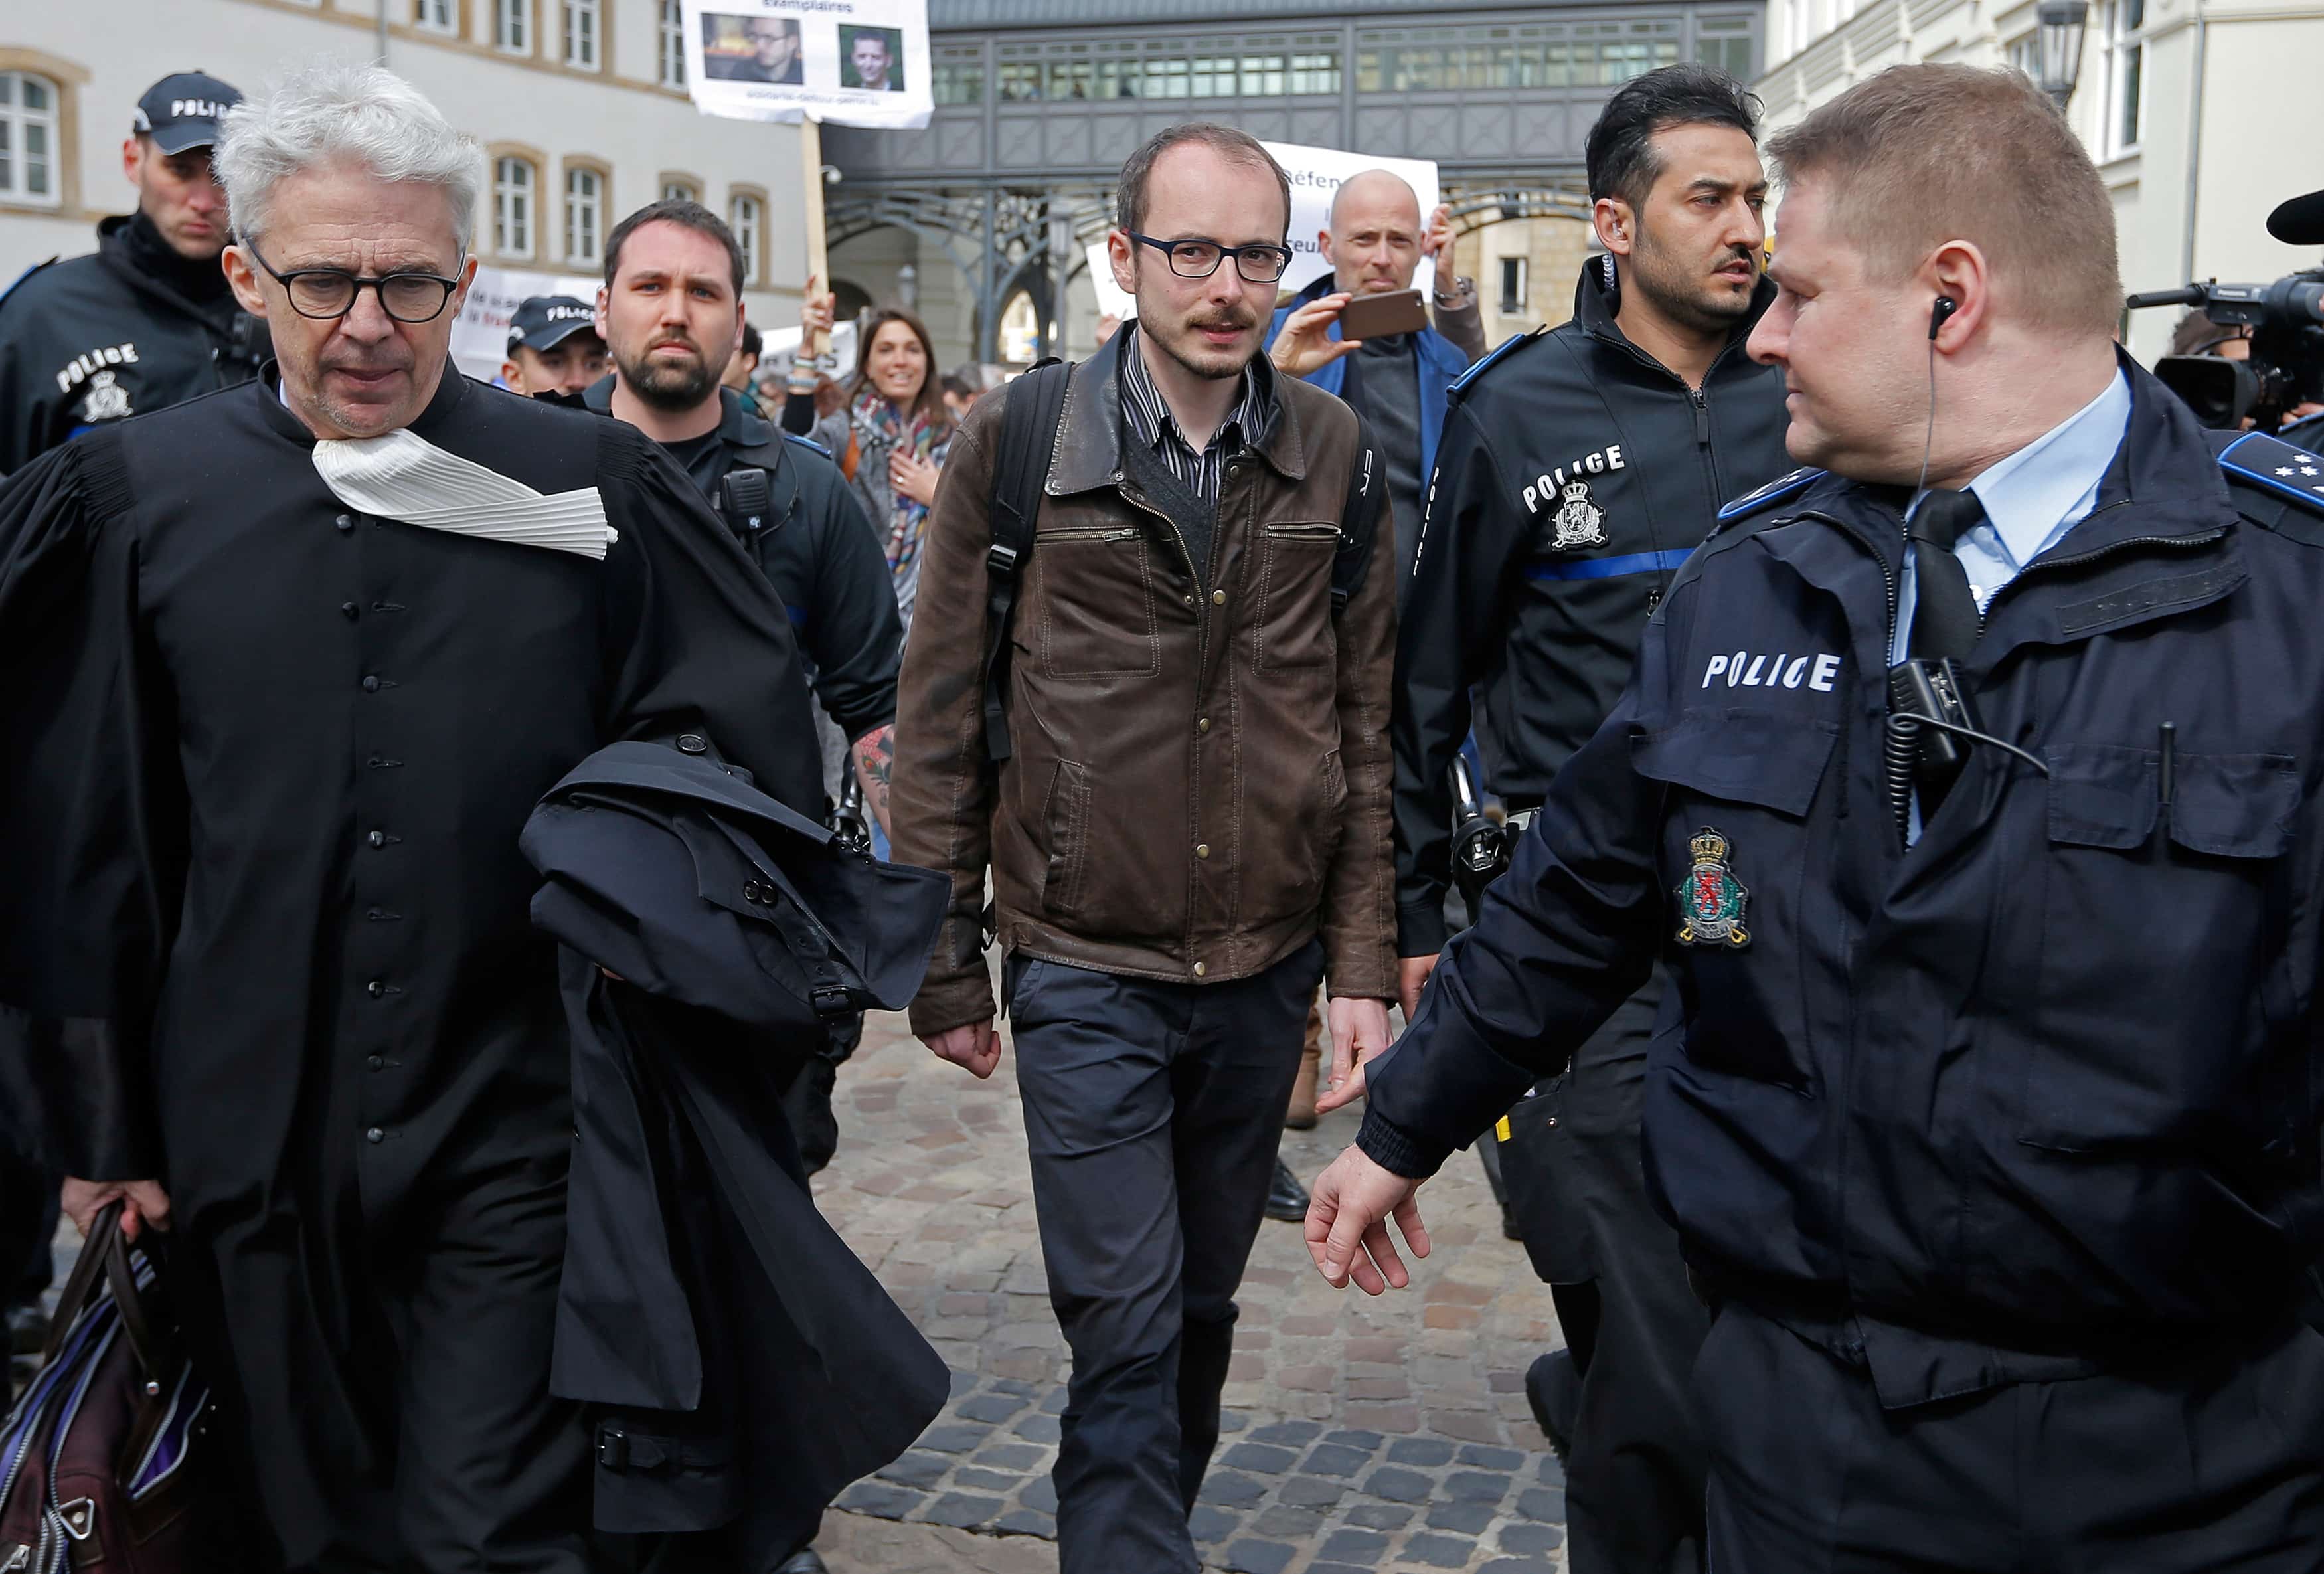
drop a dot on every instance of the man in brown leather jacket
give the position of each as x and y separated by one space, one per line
1193 825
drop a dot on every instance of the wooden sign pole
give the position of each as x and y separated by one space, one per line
819 259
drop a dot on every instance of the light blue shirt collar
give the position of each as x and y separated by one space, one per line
2035 495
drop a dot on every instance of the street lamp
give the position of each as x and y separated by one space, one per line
2061 25
908 287
1061 269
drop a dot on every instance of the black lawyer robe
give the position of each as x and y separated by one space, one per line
266 762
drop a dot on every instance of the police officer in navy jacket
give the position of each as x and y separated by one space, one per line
1985 1097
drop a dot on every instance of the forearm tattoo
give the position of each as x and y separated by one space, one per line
875 767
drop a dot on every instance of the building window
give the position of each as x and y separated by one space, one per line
28 141
1725 42
2025 57
582 21
673 44
1513 286
1263 76
585 212
512 26
2125 71
512 187
435 15
960 80
1497 58
680 192
1315 73
743 216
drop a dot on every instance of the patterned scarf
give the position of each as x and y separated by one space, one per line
880 433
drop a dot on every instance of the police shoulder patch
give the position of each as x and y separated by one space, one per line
807 443
1493 356
1774 491
2275 468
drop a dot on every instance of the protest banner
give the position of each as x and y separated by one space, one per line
480 333
1315 174
851 62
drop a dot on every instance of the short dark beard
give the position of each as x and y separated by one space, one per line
667 387
1697 309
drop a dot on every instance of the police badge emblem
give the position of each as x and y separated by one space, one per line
1710 899
107 399
1579 522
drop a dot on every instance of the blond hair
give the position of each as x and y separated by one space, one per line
1924 154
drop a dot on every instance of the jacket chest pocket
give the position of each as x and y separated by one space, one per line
1735 860
2161 950
1295 594
1095 598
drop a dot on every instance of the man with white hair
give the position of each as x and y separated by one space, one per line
290 666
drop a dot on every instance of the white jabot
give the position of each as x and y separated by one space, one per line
402 476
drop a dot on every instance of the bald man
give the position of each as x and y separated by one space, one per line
1375 243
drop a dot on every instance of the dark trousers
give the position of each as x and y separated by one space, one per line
2214 1464
1131 1088
1636 1470
28 1224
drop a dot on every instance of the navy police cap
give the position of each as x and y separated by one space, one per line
542 322
186 110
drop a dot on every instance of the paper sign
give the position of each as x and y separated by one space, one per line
479 335
849 63
1315 174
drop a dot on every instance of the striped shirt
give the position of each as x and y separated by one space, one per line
1150 419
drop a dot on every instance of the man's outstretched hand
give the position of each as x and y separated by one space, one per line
1347 1224
1305 344
976 1046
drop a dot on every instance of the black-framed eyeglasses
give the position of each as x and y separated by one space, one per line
1195 259
325 293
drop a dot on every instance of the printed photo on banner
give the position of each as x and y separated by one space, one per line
752 49
849 63
871 59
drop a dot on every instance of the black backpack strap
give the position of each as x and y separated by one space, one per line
1358 520
1035 404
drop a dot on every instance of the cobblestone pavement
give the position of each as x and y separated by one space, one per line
1360 1434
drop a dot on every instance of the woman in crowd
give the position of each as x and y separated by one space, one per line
890 435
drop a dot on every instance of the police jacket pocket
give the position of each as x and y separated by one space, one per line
2175 1050
1736 849
2228 806
1746 756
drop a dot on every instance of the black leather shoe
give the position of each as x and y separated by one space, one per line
1286 1199
28 1331
803 1561
1553 1392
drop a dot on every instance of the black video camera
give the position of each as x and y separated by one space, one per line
2286 324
